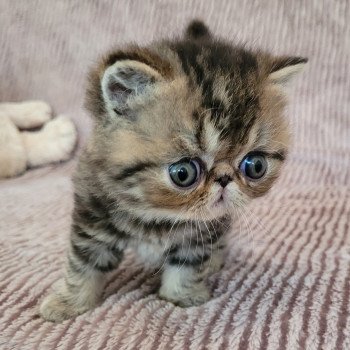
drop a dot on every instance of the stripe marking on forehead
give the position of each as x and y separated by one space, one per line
211 140
211 137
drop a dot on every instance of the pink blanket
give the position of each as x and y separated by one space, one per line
286 281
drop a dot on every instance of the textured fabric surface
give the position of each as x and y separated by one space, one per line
286 281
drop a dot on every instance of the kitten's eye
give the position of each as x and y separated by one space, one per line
185 172
254 166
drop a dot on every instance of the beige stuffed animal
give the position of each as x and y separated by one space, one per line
20 149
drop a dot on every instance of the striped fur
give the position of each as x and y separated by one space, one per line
197 98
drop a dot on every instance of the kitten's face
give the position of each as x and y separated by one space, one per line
189 130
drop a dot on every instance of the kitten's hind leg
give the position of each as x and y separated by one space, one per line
88 261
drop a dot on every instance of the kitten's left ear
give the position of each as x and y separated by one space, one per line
283 69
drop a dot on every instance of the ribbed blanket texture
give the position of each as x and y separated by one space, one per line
286 279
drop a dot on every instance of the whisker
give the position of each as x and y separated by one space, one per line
250 234
202 244
211 241
176 221
188 249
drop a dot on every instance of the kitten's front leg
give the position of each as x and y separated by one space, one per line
183 279
89 258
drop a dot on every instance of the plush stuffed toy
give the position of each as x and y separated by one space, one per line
19 149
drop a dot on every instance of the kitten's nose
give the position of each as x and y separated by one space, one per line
224 180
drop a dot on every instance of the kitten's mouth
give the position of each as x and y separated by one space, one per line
220 200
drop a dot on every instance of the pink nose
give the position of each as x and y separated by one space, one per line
224 180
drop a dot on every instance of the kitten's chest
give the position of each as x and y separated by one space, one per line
149 251
153 248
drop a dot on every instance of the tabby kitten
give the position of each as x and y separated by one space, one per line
186 132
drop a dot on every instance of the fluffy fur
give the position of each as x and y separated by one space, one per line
197 98
20 149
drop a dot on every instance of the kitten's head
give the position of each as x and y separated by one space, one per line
189 129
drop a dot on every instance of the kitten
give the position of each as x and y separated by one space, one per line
186 133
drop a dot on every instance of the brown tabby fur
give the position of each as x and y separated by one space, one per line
204 99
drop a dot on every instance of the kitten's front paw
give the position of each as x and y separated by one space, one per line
195 296
54 309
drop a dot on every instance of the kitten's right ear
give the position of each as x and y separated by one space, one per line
123 81
283 69
197 30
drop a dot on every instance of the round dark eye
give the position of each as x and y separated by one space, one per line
185 172
254 166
